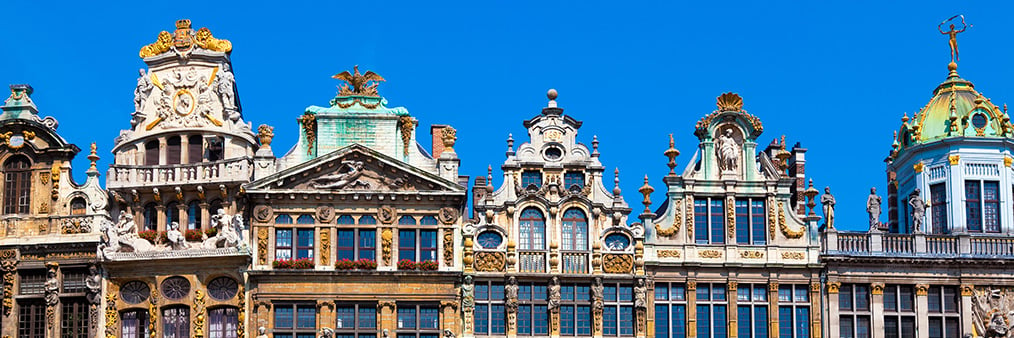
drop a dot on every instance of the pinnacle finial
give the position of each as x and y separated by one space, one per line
595 145
510 144
646 190
671 153
552 94
616 182
93 157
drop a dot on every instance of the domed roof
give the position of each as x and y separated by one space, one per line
956 110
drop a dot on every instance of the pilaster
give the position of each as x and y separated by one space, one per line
731 310
773 309
832 310
691 309
877 307
921 308
815 313
388 322
966 307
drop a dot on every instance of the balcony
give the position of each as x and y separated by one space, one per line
231 170
836 243
575 262
532 261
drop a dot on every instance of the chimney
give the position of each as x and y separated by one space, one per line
438 143
797 170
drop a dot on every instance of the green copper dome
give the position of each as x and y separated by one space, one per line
956 110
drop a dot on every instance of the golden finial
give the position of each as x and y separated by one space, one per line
671 153
93 157
646 190
730 102
448 135
953 38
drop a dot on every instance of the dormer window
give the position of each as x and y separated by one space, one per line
553 154
531 178
979 120
571 179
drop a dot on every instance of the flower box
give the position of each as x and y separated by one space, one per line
365 264
428 265
194 235
344 265
406 264
304 263
149 235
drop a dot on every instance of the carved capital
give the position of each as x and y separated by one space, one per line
451 304
815 287
390 304
691 285
967 290
832 287
732 286
773 286
877 288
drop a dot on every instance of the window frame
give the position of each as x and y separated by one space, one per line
227 317
938 213
798 327
977 206
718 310
944 316
141 317
618 309
416 330
295 329
757 305
356 330
532 229
670 299
578 309
707 212
533 303
490 295
853 313
574 230
751 222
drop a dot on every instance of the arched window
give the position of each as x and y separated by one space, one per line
214 206
195 149
17 185
574 230
406 220
173 150
176 322
78 206
533 230
367 220
194 215
428 220
305 219
283 219
134 324
151 152
172 213
223 322
346 219
150 217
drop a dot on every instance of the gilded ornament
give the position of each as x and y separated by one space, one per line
690 220
691 285
183 39
792 234
677 218
386 237
44 178
448 247
967 290
730 102
111 312
617 263
918 167
730 216
921 289
832 287
751 254
732 285
954 159
241 317
325 246
406 124
667 253
205 40
877 288
161 45
814 286
265 134
309 123
1007 160
773 286
448 135
796 255
357 84
709 254
772 217
490 261
262 245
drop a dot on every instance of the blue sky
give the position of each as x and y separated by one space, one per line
835 76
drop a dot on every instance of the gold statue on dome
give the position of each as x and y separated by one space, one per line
953 34
362 84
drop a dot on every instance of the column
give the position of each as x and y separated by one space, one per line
815 313
325 314
691 308
182 211
204 216
832 310
162 151
773 309
449 316
921 304
160 223
731 310
877 307
388 321
966 307
184 149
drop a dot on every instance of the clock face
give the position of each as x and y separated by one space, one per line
489 240
617 242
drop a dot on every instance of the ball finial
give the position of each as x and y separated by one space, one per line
551 94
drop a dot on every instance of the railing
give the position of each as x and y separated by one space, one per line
896 243
209 172
887 244
531 261
853 242
992 246
575 262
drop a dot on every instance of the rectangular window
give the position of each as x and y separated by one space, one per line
427 245
304 243
33 282
854 311
531 178
490 315
134 324
346 244
750 227
757 222
367 244
752 311
973 208
74 319
572 179
717 224
354 320
701 220
793 311
938 201
32 319
575 310
418 321
223 322
711 311
406 245
295 320
742 221
991 206
283 244
533 313
943 312
618 312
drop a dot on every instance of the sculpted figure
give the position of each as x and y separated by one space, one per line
554 294
52 288
326 332
346 175
176 239
918 206
142 90
448 333
511 290
125 234
952 35
467 293
229 229
262 332
640 294
225 86
873 208
827 200
94 285
598 293
727 152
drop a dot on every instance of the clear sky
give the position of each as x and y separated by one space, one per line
835 76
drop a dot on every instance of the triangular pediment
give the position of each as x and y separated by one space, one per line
354 168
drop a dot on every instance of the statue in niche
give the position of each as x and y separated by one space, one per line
176 239
727 151
873 208
640 294
94 285
598 293
918 206
827 200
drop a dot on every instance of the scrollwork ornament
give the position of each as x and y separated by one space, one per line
730 216
789 233
690 220
263 213
262 245
386 239
676 220
617 263
448 247
490 261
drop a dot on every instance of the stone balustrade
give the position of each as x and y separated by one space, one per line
575 262
231 170
846 243
532 261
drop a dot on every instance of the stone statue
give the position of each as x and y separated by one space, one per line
346 175
226 87
262 332
511 290
640 294
229 229
122 237
467 293
326 332
177 241
94 285
873 208
827 200
598 294
142 90
918 206
554 294
727 152
52 287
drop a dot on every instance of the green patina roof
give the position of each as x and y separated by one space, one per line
955 110
358 105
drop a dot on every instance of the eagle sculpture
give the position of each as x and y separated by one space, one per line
361 84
